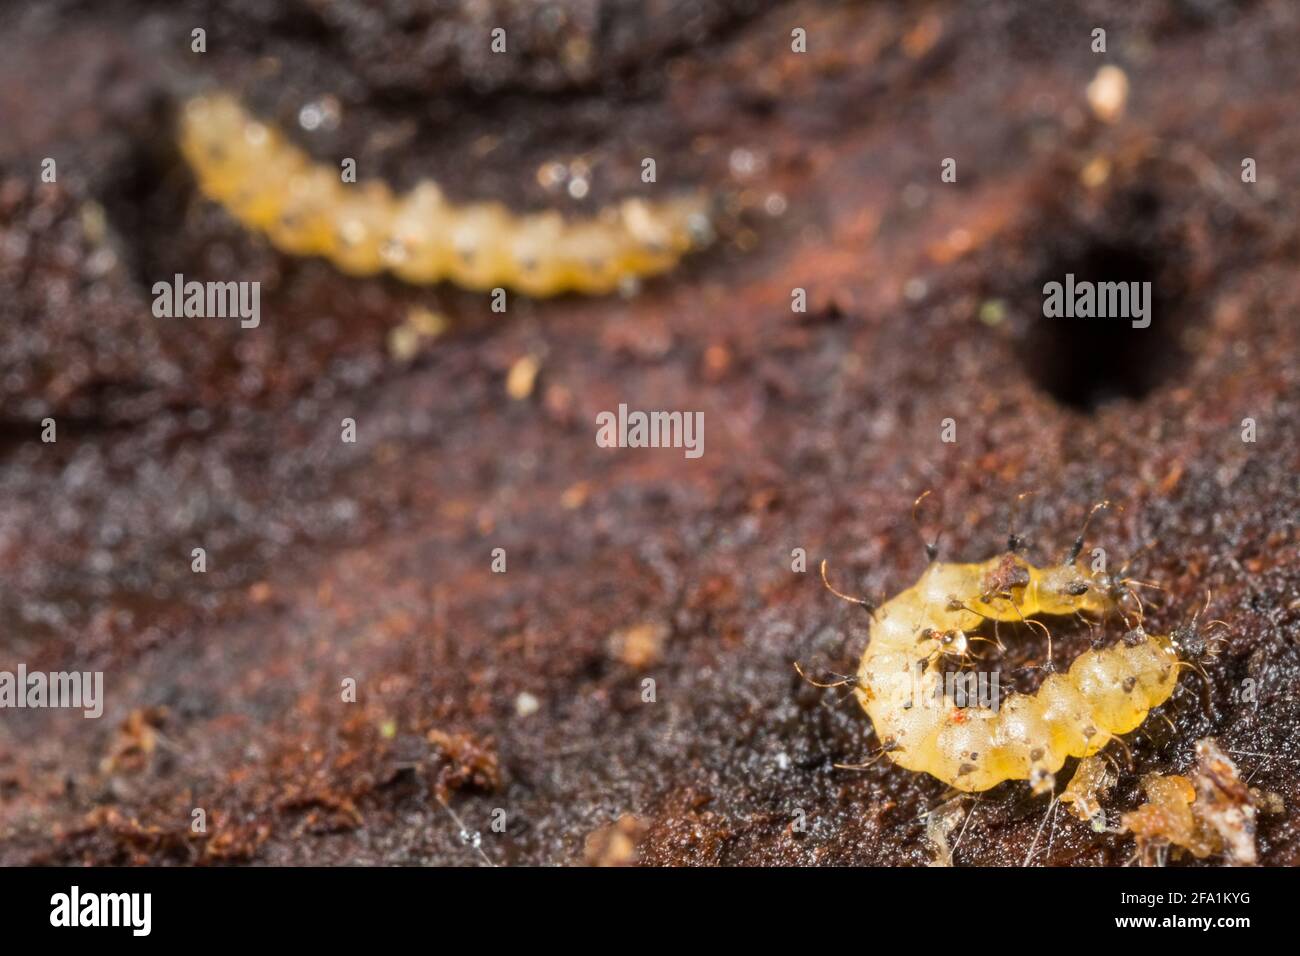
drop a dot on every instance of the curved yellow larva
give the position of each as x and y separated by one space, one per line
1105 692
305 209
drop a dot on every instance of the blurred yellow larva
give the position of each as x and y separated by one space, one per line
1106 692
304 208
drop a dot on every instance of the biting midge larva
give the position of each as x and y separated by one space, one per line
305 208
1106 692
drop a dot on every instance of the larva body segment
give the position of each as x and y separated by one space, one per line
1105 692
304 208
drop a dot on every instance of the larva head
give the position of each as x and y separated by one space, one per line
1117 594
1197 640
1072 588
1191 642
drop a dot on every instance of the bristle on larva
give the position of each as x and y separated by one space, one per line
1106 692
305 208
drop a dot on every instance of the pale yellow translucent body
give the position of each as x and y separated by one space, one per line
1104 693
305 208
